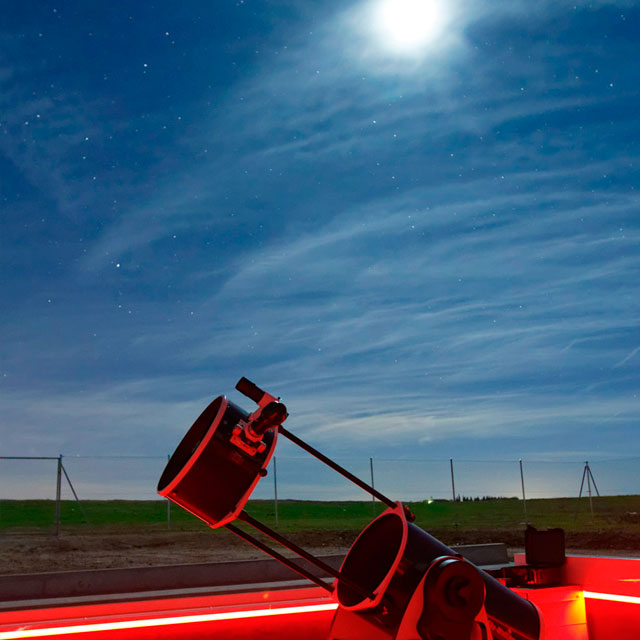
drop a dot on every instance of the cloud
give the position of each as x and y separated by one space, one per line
312 107
628 357
136 417
477 419
447 254
44 136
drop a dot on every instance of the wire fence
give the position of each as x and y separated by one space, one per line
82 480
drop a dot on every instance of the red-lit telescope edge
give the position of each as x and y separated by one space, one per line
36 631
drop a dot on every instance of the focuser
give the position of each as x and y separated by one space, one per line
271 413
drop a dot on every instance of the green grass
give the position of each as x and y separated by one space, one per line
569 513
41 514
610 513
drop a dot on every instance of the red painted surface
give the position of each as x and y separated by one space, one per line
603 597
562 610
611 620
273 615
611 591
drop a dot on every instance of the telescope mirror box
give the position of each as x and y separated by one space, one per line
396 581
222 457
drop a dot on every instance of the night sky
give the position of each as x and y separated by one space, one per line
425 240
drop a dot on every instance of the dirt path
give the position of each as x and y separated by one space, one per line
28 553
41 553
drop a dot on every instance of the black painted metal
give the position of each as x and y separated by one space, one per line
278 556
249 389
274 535
373 554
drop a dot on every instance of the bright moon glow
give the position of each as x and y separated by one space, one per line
409 26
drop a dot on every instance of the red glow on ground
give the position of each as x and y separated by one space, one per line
163 622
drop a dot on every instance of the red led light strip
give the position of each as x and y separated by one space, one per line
594 595
159 622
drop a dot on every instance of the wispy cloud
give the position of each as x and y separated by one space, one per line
628 357
144 416
313 106
447 253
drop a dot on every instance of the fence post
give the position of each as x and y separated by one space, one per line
168 504
524 497
275 488
588 471
453 492
58 493
75 495
373 486
453 483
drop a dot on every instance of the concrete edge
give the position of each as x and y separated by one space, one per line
172 578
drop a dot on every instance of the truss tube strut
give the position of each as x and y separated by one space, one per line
274 535
279 557
336 467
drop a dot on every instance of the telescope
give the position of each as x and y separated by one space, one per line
396 582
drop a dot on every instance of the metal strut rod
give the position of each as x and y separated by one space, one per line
336 467
279 557
274 535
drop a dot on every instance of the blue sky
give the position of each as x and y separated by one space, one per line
427 253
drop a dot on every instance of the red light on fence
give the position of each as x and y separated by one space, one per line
162 622
611 597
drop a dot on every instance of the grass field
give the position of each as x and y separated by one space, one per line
614 513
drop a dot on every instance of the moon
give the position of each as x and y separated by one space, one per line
409 27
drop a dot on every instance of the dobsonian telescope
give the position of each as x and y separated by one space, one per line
396 582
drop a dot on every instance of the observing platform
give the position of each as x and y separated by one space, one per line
598 599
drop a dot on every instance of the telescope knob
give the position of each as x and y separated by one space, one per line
454 594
